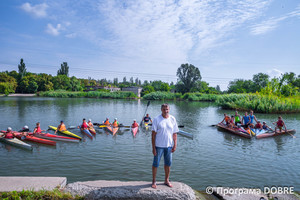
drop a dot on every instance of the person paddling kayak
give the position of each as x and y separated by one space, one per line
61 127
8 134
135 124
147 119
106 122
115 123
37 129
226 119
266 127
90 124
279 124
84 125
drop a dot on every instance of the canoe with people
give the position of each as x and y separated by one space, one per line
246 127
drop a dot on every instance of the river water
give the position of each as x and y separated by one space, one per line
212 158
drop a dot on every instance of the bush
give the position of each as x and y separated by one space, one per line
161 96
259 103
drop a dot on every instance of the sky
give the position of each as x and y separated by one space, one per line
149 40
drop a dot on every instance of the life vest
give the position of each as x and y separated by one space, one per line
115 124
84 125
38 129
251 118
246 119
106 122
147 119
134 125
227 119
280 123
258 126
237 118
9 135
62 127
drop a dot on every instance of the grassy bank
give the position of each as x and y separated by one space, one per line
187 96
92 94
259 103
43 195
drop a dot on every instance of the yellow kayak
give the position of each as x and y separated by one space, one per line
65 132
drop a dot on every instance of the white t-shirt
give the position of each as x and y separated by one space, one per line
164 127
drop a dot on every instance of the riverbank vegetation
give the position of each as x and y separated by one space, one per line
43 195
90 94
261 93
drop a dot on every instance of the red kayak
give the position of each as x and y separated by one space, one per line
32 138
92 130
273 133
134 130
55 137
112 130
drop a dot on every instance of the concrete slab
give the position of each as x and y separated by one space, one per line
19 183
130 190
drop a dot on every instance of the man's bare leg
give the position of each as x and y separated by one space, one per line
167 175
154 172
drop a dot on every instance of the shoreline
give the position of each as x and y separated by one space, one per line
114 189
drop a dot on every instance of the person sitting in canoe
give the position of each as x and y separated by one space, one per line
115 123
280 124
37 129
8 134
266 127
84 125
147 119
231 122
237 118
24 129
90 124
252 118
106 122
246 120
226 119
61 127
135 124
258 125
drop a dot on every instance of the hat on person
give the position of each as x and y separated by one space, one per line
9 128
134 120
25 127
90 120
115 118
264 122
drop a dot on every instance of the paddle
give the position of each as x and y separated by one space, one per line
291 135
145 112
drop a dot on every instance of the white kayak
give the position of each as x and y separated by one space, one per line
15 142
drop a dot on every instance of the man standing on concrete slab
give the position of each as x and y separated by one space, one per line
164 141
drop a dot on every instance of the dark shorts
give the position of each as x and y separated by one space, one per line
167 156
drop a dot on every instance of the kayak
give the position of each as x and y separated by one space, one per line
55 137
115 130
235 131
92 130
16 142
65 132
32 138
112 130
186 134
146 124
134 130
273 133
88 133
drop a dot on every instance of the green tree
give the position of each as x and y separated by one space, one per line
165 87
188 75
8 84
22 69
147 89
44 82
64 69
260 81
61 82
218 88
28 84
116 81
75 84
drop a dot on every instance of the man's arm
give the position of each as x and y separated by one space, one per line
175 142
153 142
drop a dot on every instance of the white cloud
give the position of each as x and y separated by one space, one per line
38 10
167 30
53 30
272 23
274 73
71 35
